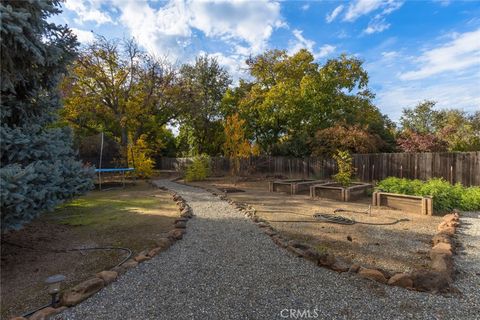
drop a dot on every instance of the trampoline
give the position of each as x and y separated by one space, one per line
112 170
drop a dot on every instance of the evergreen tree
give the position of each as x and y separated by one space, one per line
38 167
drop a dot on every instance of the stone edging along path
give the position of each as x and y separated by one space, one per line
438 279
87 288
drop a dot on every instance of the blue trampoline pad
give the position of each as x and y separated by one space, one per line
115 170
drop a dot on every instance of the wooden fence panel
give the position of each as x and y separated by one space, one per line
462 167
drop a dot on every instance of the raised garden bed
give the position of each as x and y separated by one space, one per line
335 191
412 204
293 186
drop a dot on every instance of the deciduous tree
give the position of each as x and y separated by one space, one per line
206 83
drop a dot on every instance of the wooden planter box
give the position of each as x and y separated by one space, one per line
413 204
333 190
293 186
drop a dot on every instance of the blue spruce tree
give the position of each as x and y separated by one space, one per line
38 166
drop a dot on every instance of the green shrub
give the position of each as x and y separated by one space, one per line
470 199
345 169
199 169
400 185
446 196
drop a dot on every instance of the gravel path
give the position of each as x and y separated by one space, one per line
226 268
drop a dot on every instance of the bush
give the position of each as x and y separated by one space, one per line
446 196
199 169
138 157
470 199
345 169
398 185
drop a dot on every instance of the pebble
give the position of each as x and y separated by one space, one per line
227 268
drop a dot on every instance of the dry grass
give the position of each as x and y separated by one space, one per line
133 217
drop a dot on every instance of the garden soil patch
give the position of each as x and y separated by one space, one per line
133 218
400 247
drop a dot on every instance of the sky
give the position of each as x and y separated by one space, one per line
412 50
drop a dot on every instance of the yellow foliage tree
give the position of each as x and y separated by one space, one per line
236 145
138 157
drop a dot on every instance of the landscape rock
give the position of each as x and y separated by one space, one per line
263 225
442 248
107 276
372 274
294 243
81 292
45 313
279 241
129 264
18 318
311 254
153 252
340 265
141 257
443 264
186 213
430 281
449 231
444 225
326 259
441 238
298 252
403 280
181 225
269 231
163 243
451 217
176 234
354 268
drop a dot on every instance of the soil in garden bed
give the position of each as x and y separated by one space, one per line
399 247
132 217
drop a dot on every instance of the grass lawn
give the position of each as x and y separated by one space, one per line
133 217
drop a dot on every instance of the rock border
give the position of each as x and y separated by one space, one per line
437 279
73 296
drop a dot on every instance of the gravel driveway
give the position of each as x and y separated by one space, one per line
226 268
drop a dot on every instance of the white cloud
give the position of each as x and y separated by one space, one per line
302 43
361 7
88 10
389 54
234 64
376 26
459 54
449 94
443 3
325 50
330 17
169 30
249 21
305 7
83 36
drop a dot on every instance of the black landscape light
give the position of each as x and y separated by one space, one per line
54 286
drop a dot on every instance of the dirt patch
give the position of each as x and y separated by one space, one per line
400 247
133 217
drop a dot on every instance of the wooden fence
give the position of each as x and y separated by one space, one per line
463 167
